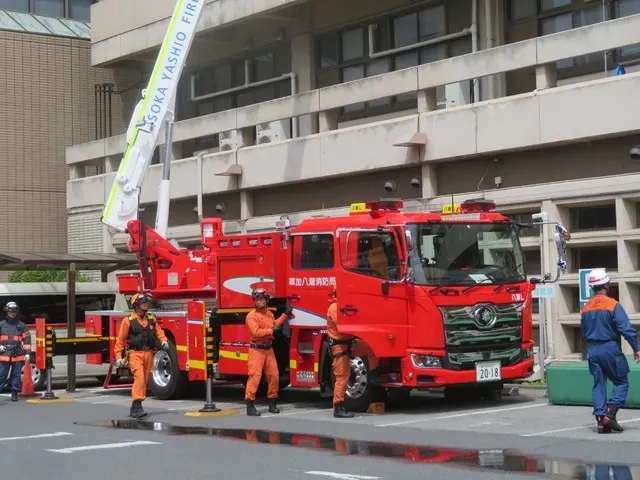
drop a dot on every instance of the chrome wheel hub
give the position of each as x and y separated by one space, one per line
161 368
359 379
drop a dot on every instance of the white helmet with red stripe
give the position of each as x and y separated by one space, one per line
598 277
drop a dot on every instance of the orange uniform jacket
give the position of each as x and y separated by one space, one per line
332 324
123 334
261 325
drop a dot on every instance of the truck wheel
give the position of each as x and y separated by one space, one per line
360 390
167 382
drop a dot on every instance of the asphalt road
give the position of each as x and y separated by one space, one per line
424 437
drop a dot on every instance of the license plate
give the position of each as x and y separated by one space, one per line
488 371
491 458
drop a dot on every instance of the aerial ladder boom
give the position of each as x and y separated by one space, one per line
156 106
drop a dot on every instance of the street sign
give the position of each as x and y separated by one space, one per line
585 292
544 291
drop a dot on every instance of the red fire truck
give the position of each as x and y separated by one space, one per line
441 297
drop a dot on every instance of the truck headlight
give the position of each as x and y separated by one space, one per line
425 361
527 353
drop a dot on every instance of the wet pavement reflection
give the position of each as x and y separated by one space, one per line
489 459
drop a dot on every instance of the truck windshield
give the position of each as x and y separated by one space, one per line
466 254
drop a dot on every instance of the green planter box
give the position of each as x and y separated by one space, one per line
570 383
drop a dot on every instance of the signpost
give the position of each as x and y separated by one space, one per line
542 292
586 292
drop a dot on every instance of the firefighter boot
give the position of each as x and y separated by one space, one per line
136 410
340 412
609 420
133 411
14 396
251 409
602 428
141 412
272 406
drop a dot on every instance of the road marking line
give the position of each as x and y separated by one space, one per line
314 410
342 476
570 429
95 397
103 446
466 414
39 435
112 401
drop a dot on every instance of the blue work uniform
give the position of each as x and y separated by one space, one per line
612 472
603 321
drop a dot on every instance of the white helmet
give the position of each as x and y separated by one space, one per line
598 277
11 306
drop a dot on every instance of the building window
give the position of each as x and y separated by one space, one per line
530 18
343 55
74 9
533 262
15 5
526 218
213 82
80 9
601 217
312 252
568 21
50 8
603 256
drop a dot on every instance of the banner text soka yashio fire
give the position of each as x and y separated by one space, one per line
181 34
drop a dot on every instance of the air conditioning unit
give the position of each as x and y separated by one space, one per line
273 131
230 140
457 94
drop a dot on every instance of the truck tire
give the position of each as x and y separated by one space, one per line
167 382
361 392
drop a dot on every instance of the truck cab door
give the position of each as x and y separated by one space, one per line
371 292
311 278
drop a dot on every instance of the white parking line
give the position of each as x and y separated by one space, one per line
113 401
571 429
103 446
298 412
466 414
39 435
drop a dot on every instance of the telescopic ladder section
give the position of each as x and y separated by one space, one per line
149 114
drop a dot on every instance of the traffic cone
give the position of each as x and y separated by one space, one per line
27 382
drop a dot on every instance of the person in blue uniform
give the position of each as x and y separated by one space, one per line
603 322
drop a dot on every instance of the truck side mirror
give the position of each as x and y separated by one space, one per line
561 237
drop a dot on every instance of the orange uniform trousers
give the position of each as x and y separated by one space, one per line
342 366
140 364
259 361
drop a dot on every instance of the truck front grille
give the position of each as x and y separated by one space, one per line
482 325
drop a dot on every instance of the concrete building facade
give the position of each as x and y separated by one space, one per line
48 102
288 108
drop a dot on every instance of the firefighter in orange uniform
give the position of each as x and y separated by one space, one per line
342 347
142 335
15 347
262 325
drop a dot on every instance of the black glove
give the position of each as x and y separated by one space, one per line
288 310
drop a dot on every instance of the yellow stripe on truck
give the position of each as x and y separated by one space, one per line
233 355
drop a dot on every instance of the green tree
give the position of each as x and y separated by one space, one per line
37 276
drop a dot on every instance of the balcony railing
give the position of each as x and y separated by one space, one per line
541 53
